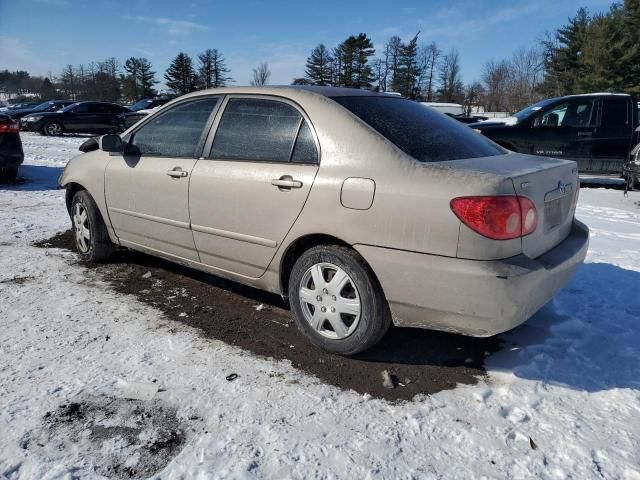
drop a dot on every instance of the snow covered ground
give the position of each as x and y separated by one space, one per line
561 400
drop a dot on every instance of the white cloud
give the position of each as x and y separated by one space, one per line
16 54
173 27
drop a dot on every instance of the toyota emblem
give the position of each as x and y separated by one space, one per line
562 187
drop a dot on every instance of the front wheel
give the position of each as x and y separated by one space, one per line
89 231
337 301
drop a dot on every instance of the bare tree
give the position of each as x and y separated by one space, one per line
261 75
451 88
527 68
512 84
391 62
428 58
496 78
472 96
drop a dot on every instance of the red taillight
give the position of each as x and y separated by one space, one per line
498 217
9 126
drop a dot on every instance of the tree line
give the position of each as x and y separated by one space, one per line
112 81
590 53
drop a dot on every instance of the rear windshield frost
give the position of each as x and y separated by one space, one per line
417 130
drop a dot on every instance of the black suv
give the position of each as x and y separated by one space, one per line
596 130
80 117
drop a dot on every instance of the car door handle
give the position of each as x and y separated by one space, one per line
585 134
177 172
286 182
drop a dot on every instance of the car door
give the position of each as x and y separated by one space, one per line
612 140
147 188
565 130
246 194
78 119
105 118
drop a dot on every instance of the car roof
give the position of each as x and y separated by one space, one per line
286 90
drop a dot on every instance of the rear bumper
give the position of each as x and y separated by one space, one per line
477 298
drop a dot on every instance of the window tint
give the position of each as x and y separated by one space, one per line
84 108
101 108
256 130
614 112
175 133
417 130
304 150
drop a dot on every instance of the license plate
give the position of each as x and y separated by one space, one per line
553 213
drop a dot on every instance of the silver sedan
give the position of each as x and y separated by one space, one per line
361 209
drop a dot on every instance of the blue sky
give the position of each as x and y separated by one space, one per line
41 36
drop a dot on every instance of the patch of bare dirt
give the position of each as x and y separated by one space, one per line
417 361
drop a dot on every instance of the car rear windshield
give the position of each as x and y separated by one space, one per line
417 130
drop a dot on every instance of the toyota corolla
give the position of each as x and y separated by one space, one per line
361 209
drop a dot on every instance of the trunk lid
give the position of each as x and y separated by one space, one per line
550 184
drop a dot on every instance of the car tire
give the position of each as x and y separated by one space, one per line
90 234
348 312
53 129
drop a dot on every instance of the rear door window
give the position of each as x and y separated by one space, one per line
419 131
615 112
176 132
84 108
257 130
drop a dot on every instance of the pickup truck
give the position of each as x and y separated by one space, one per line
597 130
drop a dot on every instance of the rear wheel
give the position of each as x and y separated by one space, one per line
89 230
53 129
336 300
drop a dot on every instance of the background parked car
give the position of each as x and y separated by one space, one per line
11 154
631 171
596 130
139 110
17 106
50 106
80 117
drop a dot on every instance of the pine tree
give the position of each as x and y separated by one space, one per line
629 64
318 71
146 78
180 76
354 55
563 66
130 87
212 71
405 80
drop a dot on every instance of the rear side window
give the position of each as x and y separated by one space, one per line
304 150
177 132
615 112
256 130
84 108
417 130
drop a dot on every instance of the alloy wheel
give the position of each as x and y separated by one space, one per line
330 301
54 129
81 227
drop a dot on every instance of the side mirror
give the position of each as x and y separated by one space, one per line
111 143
